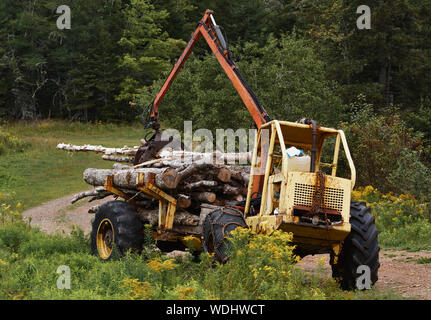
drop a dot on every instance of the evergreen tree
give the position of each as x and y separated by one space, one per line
148 49
285 74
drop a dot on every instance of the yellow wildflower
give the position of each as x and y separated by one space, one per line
192 242
157 265
138 290
184 293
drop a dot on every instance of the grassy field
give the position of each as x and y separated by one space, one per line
34 171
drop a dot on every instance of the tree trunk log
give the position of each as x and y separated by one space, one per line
117 158
243 169
192 169
240 176
181 217
120 166
230 190
98 149
221 174
200 184
184 201
207 197
165 178
97 192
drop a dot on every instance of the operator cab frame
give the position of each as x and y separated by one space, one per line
287 195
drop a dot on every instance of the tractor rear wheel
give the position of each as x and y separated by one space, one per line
217 227
359 248
116 226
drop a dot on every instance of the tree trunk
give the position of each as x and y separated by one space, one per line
184 201
117 158
200 184
181 217
207 197
166 178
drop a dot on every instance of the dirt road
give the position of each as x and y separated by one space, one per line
400 271
58 216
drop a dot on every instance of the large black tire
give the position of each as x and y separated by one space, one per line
116 229
359 248
217 227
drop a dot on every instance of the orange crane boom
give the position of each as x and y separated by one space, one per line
210 31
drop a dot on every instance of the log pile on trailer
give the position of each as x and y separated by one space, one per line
192 178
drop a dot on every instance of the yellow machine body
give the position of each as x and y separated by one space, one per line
287 195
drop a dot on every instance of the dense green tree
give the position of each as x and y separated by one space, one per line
117 48
148 49
386 152
245 20
24 38
88 72
182 19
389 62
88 57
56 72
285 75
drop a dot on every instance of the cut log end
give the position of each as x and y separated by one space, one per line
223 174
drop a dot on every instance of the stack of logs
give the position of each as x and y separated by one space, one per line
191 178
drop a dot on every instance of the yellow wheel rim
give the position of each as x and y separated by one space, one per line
105 238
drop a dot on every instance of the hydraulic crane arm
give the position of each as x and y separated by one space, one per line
210 31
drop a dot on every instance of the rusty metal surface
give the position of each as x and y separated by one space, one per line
318 203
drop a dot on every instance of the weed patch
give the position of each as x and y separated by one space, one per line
403 222
424 260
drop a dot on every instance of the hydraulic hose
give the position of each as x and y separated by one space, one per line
313 147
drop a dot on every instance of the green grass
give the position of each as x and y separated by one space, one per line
424 260
412 259
39 172
29 262
412 237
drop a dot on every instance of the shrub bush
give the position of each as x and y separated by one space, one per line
10 143
403 221
387 154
